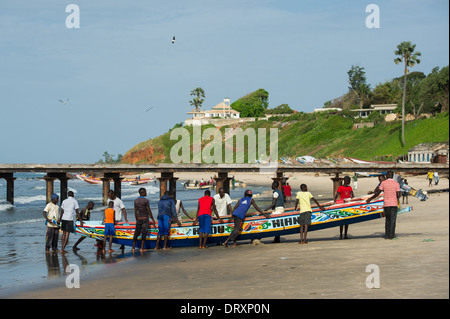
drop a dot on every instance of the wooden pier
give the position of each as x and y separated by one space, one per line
114 172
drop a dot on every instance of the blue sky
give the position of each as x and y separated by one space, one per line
121 62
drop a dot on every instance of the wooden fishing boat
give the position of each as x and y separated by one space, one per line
139 182
257 227
192 186
96 180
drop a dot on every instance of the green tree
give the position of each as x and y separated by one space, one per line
435 88
253 104
109 159
198 100
357 81
280 109
405 53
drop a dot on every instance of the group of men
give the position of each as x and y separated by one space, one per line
169 211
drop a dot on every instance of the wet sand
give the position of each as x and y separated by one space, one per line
413 266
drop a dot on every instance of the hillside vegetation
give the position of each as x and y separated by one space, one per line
319 135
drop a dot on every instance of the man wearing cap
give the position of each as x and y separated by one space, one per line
239 214
51 215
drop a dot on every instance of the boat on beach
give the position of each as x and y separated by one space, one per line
353 211
96 180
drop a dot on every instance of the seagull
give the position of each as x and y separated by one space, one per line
173 40
64 102
149 109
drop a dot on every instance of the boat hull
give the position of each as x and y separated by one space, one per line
253 227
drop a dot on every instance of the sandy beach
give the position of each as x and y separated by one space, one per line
413 266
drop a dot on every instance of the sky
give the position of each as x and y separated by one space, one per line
121 62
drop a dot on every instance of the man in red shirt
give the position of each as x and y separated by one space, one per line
287 193
345 192
392 192
204 209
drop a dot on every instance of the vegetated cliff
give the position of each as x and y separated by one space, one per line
318 135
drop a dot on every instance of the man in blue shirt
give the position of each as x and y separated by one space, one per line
239 214
166 215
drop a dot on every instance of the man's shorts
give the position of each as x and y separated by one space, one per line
163 225
67 225
109 229
204 221
141 228
305 218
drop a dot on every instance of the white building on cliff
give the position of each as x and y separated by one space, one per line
219 115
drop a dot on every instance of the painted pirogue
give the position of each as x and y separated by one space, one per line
257 227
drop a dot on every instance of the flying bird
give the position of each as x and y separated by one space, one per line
64 102
149 109
173 40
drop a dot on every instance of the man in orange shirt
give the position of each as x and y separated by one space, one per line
392 193
109 220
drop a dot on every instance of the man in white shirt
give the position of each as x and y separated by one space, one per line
223 202
119 207
69 210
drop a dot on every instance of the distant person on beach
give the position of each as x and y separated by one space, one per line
303 201
69 210
110 230
51 215
85 215
405 194
205 208
344 191
240 212
436 178
142 214
355 181
287 193
392 193
223 203
430 176
166 215
277 204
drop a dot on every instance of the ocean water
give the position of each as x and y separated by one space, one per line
23 260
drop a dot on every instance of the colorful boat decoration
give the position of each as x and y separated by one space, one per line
96 180
257 227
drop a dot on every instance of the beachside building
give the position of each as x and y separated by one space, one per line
219 115
383 109
429 153
223 110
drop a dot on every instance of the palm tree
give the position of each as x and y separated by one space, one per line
405 53
197 100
